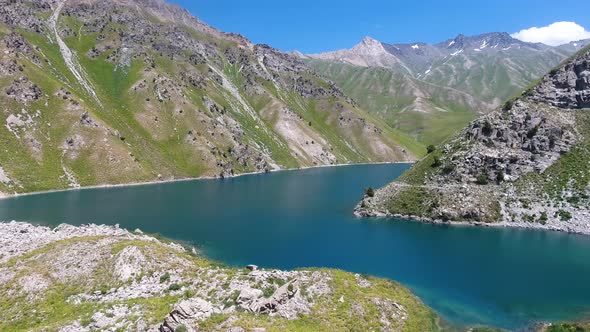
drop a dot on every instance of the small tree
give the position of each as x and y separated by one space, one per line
431 148
436 162
482 179
370 192
500 176
448 169
487 128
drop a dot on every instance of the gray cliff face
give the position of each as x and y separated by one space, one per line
523 165
568 86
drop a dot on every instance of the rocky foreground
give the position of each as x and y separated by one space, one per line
104 278
92 278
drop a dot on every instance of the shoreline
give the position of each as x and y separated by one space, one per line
504 224
4 195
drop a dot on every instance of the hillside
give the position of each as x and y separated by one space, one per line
102 278
523 165
432 91
119 91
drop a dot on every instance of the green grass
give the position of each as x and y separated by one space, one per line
413 201
387 94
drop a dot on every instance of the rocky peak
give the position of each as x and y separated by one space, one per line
492 40
369 46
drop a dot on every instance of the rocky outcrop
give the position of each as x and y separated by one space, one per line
23 90
567 86
524 165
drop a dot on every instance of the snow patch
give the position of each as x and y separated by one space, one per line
415 46
451 43
457 52
483 45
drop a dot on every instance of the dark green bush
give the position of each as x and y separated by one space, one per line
482 179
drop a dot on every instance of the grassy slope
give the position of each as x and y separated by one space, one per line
390 96
151 150
487 78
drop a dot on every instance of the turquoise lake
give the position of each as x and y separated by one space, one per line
506 278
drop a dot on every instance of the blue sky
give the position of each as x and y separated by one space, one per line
313 26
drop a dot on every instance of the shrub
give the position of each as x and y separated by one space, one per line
268 291
508 105
482 179
564 215
531 133
431 148
370 192
174 287
448 169
543 218
436 162
487 128
500 176
165 277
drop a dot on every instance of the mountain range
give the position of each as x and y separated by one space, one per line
432 91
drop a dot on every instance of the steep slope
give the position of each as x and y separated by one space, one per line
523 165
102 278
432 91
118 91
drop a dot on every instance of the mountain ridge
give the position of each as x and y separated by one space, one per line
125 91
417 87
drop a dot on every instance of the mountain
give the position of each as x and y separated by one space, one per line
106 92
523 165
432 91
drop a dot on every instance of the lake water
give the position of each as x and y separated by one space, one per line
502 277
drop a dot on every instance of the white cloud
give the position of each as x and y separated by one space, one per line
554 34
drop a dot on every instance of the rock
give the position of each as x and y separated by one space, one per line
248 296
23 90
252 267
187 313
